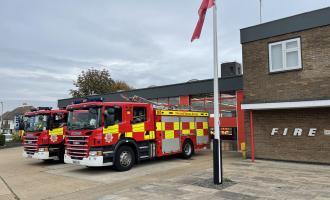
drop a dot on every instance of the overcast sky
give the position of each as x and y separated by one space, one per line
45 44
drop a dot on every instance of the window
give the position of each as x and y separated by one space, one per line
139 114
59 120
285 55
174 100
113 115
163 100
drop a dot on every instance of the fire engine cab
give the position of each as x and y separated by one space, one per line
121 134
44 130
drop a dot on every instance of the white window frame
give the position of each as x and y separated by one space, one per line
284 52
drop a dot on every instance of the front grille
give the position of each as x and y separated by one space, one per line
30 144
77 147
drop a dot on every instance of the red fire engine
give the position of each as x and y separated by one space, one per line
44 134
121 134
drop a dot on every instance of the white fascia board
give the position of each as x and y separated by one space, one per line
286 105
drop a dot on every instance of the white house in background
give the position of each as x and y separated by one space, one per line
8 124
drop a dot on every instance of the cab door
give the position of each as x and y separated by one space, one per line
113 118
58 122
142 123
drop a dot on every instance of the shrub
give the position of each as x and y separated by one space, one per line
2 140
16 137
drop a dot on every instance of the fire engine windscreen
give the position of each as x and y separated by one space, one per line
36 123
84 118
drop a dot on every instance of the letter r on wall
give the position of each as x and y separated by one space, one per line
297 132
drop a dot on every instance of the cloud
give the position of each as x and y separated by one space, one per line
44 45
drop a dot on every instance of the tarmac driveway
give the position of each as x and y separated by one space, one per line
171 178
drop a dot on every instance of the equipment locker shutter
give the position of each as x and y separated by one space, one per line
170 134
202 136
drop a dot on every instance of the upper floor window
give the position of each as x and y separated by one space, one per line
285 55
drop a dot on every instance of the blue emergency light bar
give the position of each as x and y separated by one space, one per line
88 99
44 108
94 99
78 101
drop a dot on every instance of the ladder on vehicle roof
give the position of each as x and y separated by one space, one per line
157 105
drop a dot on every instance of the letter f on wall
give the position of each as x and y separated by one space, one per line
275 130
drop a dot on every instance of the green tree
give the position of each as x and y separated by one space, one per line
121 85
95 81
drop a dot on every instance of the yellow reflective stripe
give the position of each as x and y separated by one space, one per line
185 132
111 129
138 127
151 135
181 113
200 132
192 125
129 134
160 126
169 134
56 131
176 126
205 125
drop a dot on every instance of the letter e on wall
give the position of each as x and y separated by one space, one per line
312 132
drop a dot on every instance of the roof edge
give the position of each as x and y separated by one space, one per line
287 105
295 23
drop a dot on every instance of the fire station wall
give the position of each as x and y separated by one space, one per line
309 83
304 148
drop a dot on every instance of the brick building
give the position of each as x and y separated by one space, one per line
287 88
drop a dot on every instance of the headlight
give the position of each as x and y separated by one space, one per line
95 153
92 153
43 149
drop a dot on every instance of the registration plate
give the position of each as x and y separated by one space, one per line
76 162
29 156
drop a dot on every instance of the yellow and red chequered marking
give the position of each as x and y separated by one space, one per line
202 128
138 132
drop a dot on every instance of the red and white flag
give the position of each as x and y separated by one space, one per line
206 4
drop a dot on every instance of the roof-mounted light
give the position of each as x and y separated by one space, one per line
44 108
94 99
77 101
88 99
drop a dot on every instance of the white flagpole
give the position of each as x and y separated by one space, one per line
260 11
217 152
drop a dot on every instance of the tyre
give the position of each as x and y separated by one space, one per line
187 149
124 158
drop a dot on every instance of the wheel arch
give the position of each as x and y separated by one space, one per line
127 142
191 142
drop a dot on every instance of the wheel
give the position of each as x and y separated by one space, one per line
187 149
124 158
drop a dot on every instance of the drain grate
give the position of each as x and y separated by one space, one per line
207 182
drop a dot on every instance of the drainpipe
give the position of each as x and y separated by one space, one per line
252 135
